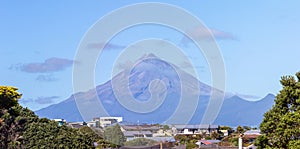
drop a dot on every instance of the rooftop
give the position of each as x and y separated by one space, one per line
201 126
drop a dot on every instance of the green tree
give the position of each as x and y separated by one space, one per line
294 144
225 128
11 124
183 139
8 97
45 133
281 124
240 129
103 144
246 128
114 135
261 142
166 127
141 142
233 141
214 135
191 144
21 128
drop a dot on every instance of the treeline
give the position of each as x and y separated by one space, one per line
21 128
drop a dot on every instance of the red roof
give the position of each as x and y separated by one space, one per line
206 142
251 136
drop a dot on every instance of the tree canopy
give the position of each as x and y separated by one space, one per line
240 129
8 97
114 135
281 124
21 128
141 142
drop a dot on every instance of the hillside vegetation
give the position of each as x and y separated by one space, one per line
21 128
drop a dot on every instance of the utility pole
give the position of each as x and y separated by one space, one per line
241 141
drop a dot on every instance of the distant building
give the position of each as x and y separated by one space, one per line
91 124
253 132
137 134
208 143
144 127
226 132
60 121
251 135
139 131
76 124
105 121
194 129
158 139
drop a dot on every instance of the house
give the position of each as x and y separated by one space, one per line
163 139
253 132
163 133
143 127
208 143
106 121
194 129
60 121
251 135
137 134
139 131
91 124
225 132
75 124
250 147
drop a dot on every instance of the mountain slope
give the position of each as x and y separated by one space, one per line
237 111
143 85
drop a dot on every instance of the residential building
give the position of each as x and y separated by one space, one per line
91 124
137 134
75 124
194 129
106 121
208 143
139 131
144 127
251 135
60 121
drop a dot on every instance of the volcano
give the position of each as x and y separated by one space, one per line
158 82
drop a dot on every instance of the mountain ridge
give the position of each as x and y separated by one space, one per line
142 88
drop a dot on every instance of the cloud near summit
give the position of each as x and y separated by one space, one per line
53 64
40 100
201 33
105 46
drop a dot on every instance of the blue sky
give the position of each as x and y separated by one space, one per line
259 41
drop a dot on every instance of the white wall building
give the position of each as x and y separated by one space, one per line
194 129
106 121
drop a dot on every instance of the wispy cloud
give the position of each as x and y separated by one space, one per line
105 46
40 100
200 33
25 101
46 78
46 100
53 64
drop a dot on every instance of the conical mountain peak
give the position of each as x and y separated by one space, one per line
148 56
